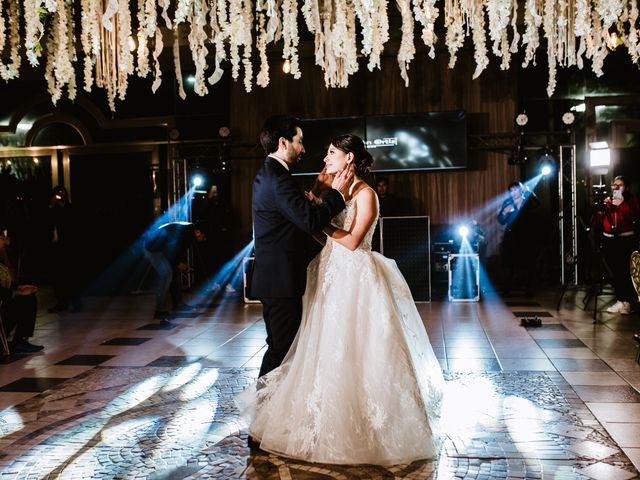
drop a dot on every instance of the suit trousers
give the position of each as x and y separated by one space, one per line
282 317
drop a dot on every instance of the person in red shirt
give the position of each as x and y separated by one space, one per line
619 228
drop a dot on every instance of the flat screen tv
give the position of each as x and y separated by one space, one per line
405 142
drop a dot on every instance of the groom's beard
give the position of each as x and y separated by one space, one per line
294 158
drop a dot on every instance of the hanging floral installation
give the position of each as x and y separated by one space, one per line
223 32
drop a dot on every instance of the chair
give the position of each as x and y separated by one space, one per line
5 282
3 336
635 278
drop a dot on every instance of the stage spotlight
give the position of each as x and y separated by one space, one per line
546 162
599 158
463 231
197 180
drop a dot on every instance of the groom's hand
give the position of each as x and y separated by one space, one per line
343 180
322 183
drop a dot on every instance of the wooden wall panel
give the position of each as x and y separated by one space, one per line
445 196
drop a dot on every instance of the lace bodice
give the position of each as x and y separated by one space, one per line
345 218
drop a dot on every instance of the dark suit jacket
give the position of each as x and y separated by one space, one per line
283 219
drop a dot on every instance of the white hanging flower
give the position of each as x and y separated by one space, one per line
531 37
165 12
157 78
51 5
499 12
609 10
34 30
263 75
290 35
550 34
89 38
582 23
514 28
407 48
454 23
598 50
631 40
147 25
109 12
380 35
311 13
59 71
12 70
426 12
2 26
125 56
176 62
562 33
182 10
479 39
235 34
374 21
219 23
341 51
247 46
197 17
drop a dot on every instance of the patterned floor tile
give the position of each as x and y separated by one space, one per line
560 343
39 384
14 357
85 360
134 341
172 361
610 394
158 326
182 423
593 378
551 326
603 471
580 365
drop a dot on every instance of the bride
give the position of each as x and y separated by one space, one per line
361 383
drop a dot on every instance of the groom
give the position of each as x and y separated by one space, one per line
283 219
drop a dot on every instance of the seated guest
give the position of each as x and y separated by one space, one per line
19 307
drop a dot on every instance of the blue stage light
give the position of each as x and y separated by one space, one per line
463 231
197 180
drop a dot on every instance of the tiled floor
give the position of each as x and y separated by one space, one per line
116 395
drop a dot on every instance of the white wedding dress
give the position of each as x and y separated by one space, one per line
361 384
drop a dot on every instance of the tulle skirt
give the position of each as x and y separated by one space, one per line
361 384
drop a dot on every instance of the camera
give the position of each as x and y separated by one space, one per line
599 194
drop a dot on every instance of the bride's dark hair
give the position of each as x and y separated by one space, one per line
362 159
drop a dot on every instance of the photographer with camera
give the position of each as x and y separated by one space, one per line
619 217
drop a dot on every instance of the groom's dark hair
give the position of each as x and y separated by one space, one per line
276 127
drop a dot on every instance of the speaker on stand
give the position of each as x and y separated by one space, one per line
407 241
